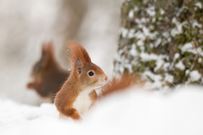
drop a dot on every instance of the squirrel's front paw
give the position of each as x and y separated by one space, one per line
73 113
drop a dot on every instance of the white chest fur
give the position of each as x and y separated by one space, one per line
83 101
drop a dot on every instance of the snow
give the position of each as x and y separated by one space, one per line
178 27
177 55
156 78
200 60
196 24
140 112
169 78
187 47
133 51
140 35
140 43
124 32
162 12
180 65
131 14
195 75
136 9
149 57
151 11
198 4
157 42
159 59
147 33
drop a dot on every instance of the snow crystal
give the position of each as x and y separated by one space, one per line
162 11
187 72
159 64
140 43
198 4
158 42
151 27
176 31
140 35
131 14
196 24
180 65
133 51
136 9
156 78
124 32
195 76
178 28
141 21
149 57
169 78
159 59
166 34
151 11
200 60
177 55
131 33
166 65
149 34
187 47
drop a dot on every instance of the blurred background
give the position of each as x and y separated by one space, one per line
26 24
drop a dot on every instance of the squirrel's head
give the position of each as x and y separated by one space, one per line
88 73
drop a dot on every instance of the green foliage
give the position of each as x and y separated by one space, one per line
164 45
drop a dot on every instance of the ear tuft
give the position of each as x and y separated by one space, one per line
78 52
47 53
47 47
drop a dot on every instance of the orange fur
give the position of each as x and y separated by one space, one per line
120 84
77 51
78 81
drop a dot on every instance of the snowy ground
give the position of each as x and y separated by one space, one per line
134 112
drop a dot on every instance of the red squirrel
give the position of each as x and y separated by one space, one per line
78 92
47 75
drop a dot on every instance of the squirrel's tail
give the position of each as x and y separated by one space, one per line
120 84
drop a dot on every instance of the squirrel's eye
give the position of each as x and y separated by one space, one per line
90 73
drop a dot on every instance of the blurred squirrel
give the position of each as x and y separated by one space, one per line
47 75
78 92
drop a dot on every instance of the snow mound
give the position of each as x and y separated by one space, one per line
134 112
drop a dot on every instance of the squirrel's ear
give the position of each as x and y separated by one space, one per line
78 66
47 47
47 53
77 51
86 57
